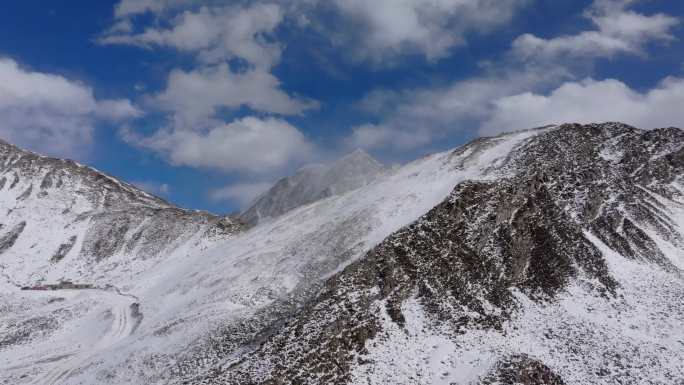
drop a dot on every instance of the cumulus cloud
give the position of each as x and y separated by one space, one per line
235 52
413 118
489 103
214 34
241 193
116 109
375 30
591 101
386 28
249 144
493 105
197 95
50 113
370 136
618 31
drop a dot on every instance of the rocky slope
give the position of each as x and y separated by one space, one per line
549 256
313 183
587 226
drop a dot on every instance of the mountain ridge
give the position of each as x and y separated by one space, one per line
100 216
336 355
551 255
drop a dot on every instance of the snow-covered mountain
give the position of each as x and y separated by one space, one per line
313 183
547 256
63 220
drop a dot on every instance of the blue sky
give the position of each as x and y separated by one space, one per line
207 103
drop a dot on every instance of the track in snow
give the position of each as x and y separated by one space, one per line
121 327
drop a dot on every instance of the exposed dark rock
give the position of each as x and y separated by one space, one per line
461 255
604 175
26 193
23 331
63 250
7 240
15 181
521 370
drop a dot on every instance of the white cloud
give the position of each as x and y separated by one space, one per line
235 52
375 30
197 95
250 144
500 104
214 34
386 28
116 109
50 113
152 187
618 31
127 8
378 136
413 118
241 193
591 101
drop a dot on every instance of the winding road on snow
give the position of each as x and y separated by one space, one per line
124 320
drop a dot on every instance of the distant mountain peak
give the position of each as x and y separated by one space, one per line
358 156
315 182
358 153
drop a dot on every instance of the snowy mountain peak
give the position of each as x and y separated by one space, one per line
313 183
54 175
358 155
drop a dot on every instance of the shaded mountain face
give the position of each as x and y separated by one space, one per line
313 183
548 256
